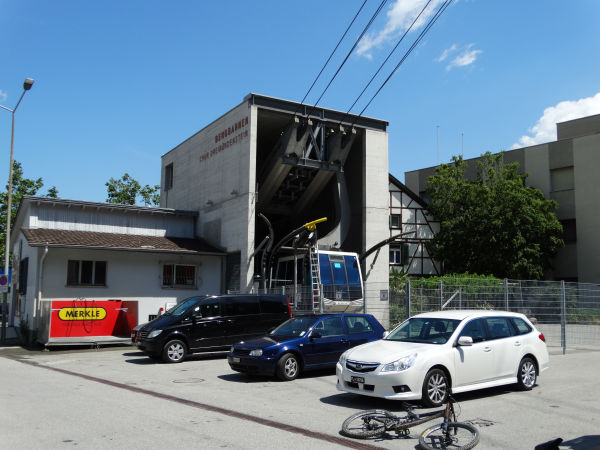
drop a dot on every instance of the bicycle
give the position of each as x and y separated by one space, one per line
447 434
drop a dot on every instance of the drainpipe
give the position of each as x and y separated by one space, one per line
38 301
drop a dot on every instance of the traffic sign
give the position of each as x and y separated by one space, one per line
3 283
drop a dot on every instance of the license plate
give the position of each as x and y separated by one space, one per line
357 379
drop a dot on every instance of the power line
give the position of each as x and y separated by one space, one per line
388 57
333 52
431 22
350 52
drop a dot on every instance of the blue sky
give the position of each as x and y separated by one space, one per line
120 83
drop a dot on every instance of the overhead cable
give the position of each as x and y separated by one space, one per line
382 4
431 22
388 57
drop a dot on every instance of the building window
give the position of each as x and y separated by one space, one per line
168 177
23 269
86 273
399 255
569 234
179 275
395 221
562 179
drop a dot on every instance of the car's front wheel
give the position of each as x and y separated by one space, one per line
174 352
527 374
436 388
288 367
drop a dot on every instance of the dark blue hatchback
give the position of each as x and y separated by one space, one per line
303 343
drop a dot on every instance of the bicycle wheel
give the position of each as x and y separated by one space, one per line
459 436
368 424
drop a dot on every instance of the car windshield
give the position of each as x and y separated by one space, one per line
426 330
180 308
297 326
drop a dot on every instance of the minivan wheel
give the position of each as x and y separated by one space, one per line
527 374
288 367
435 388
174 351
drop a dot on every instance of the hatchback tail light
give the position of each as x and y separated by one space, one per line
542 337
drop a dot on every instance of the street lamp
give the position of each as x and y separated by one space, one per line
26 86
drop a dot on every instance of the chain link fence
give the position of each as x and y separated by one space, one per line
567 313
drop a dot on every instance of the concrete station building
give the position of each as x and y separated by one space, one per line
568 171
281 160
292 164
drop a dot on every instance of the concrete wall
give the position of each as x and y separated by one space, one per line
586 155
376 222
213 173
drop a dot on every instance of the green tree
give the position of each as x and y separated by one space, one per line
21 186
150 195
494 224
127 189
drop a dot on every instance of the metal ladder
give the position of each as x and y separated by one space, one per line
315 280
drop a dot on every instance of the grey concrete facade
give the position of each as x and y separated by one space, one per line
567 171
247 163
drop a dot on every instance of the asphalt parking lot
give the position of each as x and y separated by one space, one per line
115 397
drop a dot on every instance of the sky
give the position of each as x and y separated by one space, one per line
119 83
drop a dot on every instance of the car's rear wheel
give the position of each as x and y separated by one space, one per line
174 352
288 367
436 388
527 374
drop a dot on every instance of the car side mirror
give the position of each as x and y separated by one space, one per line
465 341
315 335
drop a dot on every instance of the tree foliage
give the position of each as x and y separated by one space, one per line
21 186
126 190
494 224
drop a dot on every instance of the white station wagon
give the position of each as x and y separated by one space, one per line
430 355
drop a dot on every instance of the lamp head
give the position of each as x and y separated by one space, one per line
28 83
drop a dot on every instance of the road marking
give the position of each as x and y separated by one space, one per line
238 415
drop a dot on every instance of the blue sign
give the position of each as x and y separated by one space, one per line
9 274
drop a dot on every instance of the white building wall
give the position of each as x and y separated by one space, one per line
89 218
129 276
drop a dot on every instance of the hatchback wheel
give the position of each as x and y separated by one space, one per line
174 351
288 367
527 374
435 388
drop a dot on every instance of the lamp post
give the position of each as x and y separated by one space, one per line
26 86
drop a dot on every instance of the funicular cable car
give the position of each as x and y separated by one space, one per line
314 279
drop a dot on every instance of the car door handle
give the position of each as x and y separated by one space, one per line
517 344
487 349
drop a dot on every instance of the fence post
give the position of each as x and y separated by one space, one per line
407 298
441 284
563 319
460 297
506 294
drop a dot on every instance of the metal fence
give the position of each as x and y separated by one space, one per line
567 313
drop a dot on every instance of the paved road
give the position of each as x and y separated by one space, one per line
118 398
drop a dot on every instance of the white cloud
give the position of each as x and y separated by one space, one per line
446 53
466 58
545 128
399 18
3 96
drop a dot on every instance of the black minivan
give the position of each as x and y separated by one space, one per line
210 323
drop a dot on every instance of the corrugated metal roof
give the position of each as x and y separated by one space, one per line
111 241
